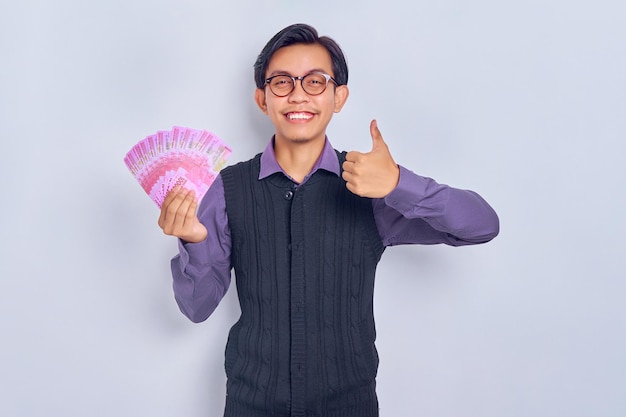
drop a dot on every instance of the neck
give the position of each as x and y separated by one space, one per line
297 158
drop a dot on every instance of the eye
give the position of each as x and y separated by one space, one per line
315 80
281 81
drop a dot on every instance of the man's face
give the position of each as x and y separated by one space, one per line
299 117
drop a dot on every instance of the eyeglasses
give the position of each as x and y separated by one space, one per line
313 84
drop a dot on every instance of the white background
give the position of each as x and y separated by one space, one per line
523 102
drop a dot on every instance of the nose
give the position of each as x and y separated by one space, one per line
298 95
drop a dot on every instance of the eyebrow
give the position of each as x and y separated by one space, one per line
281 72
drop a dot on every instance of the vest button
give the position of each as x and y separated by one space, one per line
288 195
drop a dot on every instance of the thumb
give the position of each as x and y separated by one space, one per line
377 137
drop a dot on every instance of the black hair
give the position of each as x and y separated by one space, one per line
301 33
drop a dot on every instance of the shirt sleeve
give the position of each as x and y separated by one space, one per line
419 210
201 271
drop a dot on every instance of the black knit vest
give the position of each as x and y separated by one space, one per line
304 260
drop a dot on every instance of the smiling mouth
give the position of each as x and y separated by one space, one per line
299 116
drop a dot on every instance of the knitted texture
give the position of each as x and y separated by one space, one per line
304 260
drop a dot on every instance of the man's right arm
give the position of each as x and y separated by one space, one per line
201 270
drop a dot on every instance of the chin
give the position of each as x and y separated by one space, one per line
300 140
295 137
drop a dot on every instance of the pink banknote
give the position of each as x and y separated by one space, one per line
182 156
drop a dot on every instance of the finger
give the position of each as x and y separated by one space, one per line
377 137
170 209
181 213
190 215
172 194
349 187
353 156
348 166
352 188
165 207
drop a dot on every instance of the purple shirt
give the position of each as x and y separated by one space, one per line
417 211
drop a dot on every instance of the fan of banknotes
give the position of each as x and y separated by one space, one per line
182 156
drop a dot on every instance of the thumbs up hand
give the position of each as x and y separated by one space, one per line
373 174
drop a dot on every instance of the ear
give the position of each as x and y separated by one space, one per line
341 96
259 99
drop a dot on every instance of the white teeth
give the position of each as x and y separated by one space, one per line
299 116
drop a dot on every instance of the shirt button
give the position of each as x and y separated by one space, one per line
288 195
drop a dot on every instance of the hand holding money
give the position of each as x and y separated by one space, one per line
178 216
182 156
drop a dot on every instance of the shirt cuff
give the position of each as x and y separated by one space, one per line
191 252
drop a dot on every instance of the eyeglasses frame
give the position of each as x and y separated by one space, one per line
300 78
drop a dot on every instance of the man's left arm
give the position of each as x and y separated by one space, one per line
413 209
420 210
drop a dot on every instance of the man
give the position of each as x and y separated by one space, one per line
304 226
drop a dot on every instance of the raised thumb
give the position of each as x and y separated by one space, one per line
377 137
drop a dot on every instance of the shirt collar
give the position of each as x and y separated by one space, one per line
327 161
